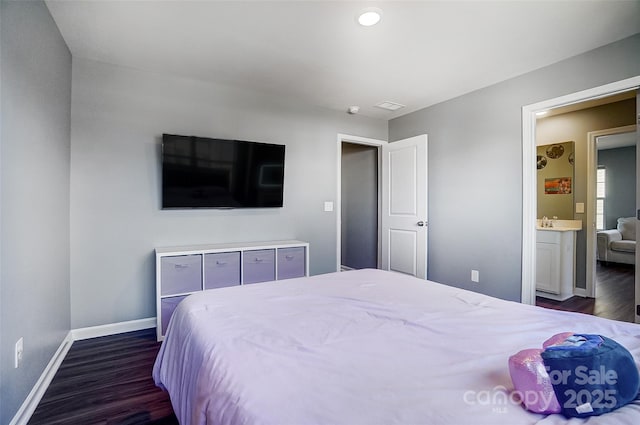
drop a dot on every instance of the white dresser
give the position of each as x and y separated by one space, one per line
183 270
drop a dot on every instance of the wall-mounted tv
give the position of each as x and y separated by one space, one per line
199 172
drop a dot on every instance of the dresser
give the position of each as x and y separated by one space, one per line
184 270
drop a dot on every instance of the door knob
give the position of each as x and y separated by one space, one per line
421 223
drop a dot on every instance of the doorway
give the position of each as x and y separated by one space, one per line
354 234
402 229
585 124
611 181
359 207
613 177
529 176
611 162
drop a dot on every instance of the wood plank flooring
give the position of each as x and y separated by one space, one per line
615 295
107 381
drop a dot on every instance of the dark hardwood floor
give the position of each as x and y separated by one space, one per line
615 295
107 381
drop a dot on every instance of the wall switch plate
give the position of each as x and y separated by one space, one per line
579 207
328 206
475 276
18 353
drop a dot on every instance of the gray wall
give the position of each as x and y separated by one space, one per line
620 186
34 196
118 117
359 240
475 166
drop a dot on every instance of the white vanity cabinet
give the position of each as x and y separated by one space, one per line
555 263
181 271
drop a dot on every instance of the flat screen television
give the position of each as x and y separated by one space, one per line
199 172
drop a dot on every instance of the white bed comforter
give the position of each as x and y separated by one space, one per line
362 347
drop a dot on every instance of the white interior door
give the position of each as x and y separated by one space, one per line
404 206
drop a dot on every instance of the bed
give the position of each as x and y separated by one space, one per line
360 347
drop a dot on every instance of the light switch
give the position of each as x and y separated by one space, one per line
579 207
328 206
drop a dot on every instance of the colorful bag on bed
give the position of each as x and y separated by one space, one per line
531 380
591 374
532 383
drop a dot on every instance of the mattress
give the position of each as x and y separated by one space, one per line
361 347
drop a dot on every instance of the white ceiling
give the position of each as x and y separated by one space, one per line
421 53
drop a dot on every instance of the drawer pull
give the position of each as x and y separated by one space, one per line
257 260
181 266
221 263
289 257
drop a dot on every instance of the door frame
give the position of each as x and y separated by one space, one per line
356 140
529 182
590 221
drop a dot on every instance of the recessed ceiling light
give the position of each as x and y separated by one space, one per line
369 16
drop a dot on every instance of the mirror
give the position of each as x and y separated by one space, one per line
556 179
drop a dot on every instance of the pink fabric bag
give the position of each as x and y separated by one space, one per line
532 383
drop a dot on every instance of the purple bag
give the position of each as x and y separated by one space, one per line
532 383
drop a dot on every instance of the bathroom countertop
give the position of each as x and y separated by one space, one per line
561 226
557 229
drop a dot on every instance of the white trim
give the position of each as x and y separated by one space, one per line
113 328
360 140
529 209
590 221
580 292
33 399
338 207
529 177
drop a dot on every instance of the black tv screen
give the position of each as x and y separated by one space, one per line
199 172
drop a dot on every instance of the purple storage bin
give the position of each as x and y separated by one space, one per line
259 265
291 262
221 270
168 305
181 274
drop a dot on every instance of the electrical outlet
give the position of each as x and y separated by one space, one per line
475 276
18 353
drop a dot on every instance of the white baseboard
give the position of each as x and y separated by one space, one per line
113 328
33 399
580 292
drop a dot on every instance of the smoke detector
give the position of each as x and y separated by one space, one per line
390 106
353 110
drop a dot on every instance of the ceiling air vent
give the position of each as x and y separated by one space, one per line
390 106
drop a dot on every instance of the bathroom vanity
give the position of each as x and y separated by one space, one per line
556 259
